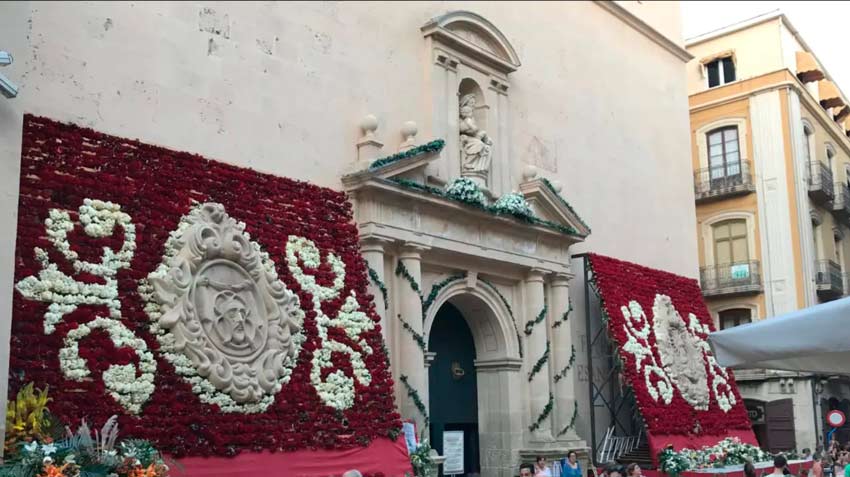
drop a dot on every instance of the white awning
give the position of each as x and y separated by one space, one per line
814 339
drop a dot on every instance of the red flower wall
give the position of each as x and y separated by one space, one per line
61 166
619 282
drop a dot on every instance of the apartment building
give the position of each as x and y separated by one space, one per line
771 159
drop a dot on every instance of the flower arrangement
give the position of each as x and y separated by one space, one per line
728 452
98 216
466 190
646 309
36 450
514 204
421 459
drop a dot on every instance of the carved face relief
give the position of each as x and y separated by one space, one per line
224 308
681 355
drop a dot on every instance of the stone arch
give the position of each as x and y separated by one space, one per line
478 33
493 328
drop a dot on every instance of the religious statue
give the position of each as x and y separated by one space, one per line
475 144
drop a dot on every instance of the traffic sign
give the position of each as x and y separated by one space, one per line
835 418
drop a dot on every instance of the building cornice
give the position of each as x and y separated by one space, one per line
792 82
642 27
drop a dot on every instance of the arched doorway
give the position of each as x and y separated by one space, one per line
452 377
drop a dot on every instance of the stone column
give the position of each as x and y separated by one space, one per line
562 352
539 389
372 250
411 357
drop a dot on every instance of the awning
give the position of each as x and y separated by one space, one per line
839 117
814 339
829 95
807 67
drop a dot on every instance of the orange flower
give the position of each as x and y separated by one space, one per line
150 471
51 470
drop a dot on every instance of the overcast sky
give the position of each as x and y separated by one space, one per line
823 25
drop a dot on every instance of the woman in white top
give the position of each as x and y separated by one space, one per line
541 469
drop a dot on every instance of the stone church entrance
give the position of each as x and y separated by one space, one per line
452 376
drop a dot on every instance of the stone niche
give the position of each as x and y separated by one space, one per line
470 59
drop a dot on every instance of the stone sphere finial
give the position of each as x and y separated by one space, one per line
409 130
369 124
529 172
558 186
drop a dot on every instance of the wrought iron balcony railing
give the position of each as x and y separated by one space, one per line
821 189
737 278
829 281
841 203
722 181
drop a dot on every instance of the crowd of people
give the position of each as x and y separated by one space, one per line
570 467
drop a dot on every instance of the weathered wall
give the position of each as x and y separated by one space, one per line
282 87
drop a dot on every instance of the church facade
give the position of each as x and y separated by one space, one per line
434 118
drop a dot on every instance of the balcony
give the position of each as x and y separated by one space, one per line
821 189
841 203
713 183
829 281
728 279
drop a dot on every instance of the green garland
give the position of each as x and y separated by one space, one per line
380 284
433 146
572 423
414 395
564 202
540 362
543 415
529 325
510 312
402 271
419 339
563 373
435 289
565 316
489 209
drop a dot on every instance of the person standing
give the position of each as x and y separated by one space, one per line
633 470
572 468
541 469
526 470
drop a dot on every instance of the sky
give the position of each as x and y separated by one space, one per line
823 25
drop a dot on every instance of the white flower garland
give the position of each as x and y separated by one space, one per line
183 366
337 390
65 294
719 376
513 203
466 190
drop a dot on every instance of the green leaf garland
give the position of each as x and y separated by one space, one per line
540 362
565 316
419 339
543 415
433 146
563 373
402 271
373 275
529 325
435 290
564 202
510 312
414 395
572 423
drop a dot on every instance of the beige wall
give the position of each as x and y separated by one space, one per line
757 50
666 17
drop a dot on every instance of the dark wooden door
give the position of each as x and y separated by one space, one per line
779 417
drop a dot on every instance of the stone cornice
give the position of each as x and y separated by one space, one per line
498 364
642 27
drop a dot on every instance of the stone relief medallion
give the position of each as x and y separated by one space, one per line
681 354
225 320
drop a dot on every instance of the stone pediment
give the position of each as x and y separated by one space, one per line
404 211
408 164
548 204
472 35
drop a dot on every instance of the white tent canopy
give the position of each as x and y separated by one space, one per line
814 339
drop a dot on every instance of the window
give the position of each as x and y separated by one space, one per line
730 242
838 252
720 71
724 156
734 317
807 144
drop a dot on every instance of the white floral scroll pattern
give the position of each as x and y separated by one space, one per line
638 330
336 390
64 294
